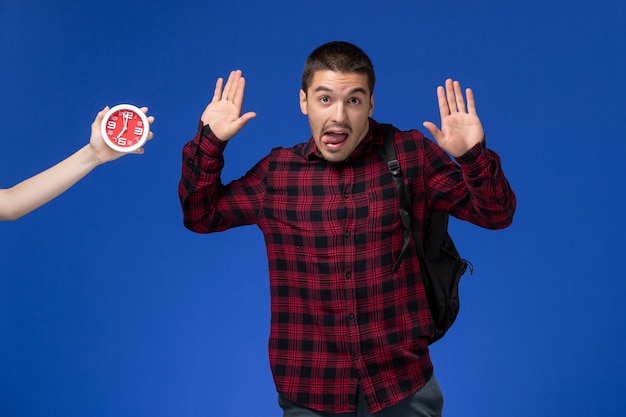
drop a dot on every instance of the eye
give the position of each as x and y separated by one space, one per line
324 99
354 100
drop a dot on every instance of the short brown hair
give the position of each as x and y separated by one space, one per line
340 57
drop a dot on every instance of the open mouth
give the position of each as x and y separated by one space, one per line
334 140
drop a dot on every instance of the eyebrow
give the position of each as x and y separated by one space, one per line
351 92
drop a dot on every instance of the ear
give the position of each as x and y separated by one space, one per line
303 103
371 105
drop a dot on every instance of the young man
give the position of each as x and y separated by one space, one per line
37 190
348 336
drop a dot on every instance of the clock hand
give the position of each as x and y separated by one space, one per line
126 116
122 132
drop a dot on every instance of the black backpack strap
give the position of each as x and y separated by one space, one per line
409 223
443 268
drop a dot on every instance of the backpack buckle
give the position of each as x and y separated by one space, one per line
394 167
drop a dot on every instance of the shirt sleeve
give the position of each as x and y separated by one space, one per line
473 189
207 204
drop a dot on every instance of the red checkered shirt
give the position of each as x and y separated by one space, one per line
340 317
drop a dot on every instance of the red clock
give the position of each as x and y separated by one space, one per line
125 128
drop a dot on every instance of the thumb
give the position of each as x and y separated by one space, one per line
100 115
433 129
245 118
95 126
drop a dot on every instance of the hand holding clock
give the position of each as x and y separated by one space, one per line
125 128
37 190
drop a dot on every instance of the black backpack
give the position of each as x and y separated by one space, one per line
440 262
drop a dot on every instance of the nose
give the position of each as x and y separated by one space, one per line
339 115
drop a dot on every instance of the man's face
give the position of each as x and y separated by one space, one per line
338 106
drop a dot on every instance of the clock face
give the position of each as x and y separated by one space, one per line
125 128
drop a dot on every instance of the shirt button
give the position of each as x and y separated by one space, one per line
348 274
346 195
355 357
351 316
347 234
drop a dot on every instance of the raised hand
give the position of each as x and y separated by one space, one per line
223 113
460 126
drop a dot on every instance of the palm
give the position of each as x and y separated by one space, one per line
223 114
460 131
460 127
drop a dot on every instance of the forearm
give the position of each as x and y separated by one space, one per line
473 189
33 192
200 181
207 204
492 199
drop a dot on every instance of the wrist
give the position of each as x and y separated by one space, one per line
92 156
206 130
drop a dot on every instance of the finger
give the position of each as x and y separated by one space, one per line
95 126
248 116
450 96
245 118
444 109
433 129
471 103
239 92
226 95
217 93
231 85
101 114
458 96
229 82
144 109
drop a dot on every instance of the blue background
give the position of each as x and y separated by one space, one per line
109 307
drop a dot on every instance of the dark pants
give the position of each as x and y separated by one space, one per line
427 402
